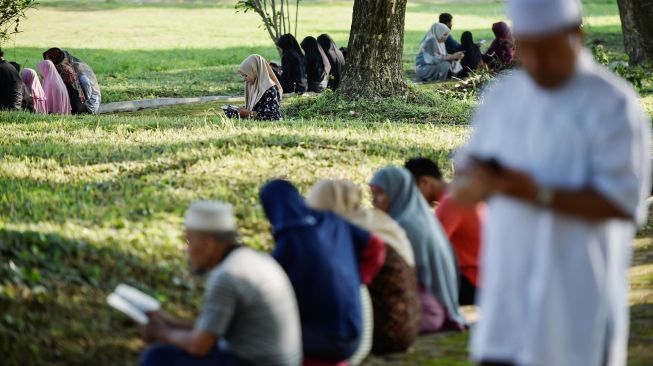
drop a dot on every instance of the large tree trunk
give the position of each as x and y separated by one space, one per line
375 51
637 25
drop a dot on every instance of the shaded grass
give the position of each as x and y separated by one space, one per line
88 202
420 106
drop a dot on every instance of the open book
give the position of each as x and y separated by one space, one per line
133 302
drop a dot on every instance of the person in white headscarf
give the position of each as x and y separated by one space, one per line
262 90
560 152
433 62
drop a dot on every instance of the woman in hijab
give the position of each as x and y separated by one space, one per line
87 79
394 291
473 56
262 90
56 94
31 79
336 60
317 65
433 62
395 192
326 259
501 53
293 65
70 79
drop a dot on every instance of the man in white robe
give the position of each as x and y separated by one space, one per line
560 152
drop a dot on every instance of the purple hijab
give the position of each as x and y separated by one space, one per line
501 52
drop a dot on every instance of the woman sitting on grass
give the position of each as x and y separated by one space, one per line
70 78
394 191
31 79
336 60
262 90
473 57
433 62
326 259
394 293
318 67
501 53
56 94
293 65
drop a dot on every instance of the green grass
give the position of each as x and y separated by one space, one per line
88 202
179 49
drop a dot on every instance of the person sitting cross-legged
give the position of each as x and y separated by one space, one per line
262 90
463 225
249 315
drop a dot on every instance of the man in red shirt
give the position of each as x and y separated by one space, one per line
462 225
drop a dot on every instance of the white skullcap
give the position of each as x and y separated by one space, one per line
543 17
210 216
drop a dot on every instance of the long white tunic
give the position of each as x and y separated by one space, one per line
554 288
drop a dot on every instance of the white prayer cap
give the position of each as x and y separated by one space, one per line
543 17
210 216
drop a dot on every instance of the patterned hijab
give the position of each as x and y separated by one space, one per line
65 69
345 199
256 68
437 270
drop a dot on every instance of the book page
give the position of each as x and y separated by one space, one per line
120 304
142 301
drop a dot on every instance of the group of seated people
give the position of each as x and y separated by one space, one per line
343 280
318 67
441 57
69 85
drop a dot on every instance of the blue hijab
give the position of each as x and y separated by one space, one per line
319 251
434 257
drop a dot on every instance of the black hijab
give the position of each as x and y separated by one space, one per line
472 54
293 65
318 66
335 57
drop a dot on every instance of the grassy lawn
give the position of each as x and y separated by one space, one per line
181 49
88 202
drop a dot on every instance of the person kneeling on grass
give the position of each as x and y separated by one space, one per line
262 90
249 304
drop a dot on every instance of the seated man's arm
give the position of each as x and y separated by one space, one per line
173 322
194 341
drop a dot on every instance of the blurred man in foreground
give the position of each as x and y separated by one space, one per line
560 151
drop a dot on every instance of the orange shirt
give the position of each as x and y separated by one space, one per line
463 227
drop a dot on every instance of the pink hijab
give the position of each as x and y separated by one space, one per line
57 100
36 91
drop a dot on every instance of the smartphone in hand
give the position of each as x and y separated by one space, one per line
490 163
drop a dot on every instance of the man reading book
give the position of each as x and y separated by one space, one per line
249 315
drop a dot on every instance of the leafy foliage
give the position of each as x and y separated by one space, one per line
11 13
276 19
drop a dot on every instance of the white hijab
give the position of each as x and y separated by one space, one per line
344 198
256 68
437 31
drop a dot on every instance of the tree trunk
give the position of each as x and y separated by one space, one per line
375 51
637 27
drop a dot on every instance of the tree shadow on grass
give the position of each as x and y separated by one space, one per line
641 335
53 300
